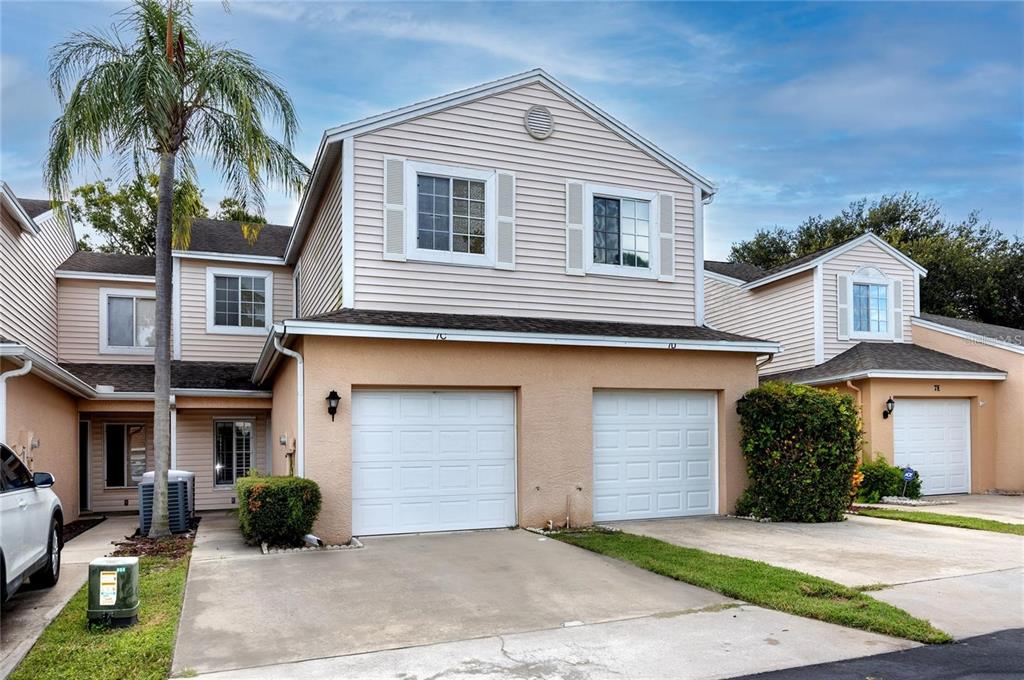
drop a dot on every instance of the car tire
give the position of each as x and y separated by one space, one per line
50 573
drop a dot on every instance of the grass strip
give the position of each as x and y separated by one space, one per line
759 583
943 520
70 648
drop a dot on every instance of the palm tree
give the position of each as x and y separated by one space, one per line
148 99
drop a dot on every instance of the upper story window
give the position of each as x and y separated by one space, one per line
872 306
454 214
238 301
127 321
621 229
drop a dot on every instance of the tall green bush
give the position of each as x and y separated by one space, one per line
801 446
882 479
277 510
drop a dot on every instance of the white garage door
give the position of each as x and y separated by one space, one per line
654 454
432 461
933 436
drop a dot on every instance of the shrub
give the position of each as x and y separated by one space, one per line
277 510
801 447
882 479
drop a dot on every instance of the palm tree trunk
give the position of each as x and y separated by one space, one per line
162 351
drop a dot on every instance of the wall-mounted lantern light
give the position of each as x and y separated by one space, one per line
889 406
332 403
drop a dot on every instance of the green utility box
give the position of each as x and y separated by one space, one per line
114 591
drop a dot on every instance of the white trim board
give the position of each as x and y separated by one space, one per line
722 278
966 335
227 257
348 223
104 276
919 375
9 199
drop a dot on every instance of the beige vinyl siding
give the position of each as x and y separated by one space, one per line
28 289
78 336
195 442
196 343
103 499
864 255
320 262
489 134
782 312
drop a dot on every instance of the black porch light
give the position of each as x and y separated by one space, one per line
332 403
889 406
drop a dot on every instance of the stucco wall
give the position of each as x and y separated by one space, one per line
283 417
554 393
38 410
1008 404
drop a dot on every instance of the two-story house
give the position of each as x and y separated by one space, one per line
941 395
488 312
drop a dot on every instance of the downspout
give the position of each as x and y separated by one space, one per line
300 408
765 362
15 373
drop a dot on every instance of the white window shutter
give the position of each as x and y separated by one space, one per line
843 294
505 253
574 241
394 209
667 238
897 310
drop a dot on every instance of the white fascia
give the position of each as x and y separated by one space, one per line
104 276
722 278
14 206
965 335
228 257
348 223
918 375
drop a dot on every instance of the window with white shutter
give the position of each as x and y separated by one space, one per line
622 230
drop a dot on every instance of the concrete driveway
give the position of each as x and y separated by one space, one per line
965 582
491 602
984 506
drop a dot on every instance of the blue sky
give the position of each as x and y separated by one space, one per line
792 109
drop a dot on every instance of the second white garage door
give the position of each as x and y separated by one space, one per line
432 461
654 454
933 436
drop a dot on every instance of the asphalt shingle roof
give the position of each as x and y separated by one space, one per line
197 375
879 356
34 207
218 236
109 263
1011 336
517 324
737 270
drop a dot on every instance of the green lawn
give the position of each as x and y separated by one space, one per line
70 649
762 584
943 520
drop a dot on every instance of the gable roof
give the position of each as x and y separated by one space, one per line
223 236
734 270
1011 338
888 360
109 263
332 137
34 207
16 206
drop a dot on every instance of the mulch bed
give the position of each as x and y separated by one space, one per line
80 526
176 546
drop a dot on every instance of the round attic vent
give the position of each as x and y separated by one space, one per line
538 122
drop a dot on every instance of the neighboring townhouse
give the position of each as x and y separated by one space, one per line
848 317
500 322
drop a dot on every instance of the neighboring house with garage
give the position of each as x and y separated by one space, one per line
848 317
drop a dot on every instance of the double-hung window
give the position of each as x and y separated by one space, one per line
127 321
453 216
872 307
239 301
621 231
233 444
124 451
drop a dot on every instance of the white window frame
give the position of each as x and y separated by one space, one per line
252 447
489 177
211 301
590 191
136 294
866 277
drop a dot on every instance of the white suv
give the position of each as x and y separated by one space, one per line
31 520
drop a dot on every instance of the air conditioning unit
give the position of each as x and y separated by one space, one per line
181 500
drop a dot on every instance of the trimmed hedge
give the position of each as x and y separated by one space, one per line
882 479
277 510
801 446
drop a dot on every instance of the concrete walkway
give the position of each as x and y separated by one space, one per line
984 506
31 610
491 603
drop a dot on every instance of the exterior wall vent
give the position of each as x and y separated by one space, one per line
539 122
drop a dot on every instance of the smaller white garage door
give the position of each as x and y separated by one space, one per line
654 454
432 461
933 436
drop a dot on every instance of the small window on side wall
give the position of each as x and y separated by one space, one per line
239 301
127 321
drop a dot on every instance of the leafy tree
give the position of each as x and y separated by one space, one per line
125 217
974 271
233 210
152 91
